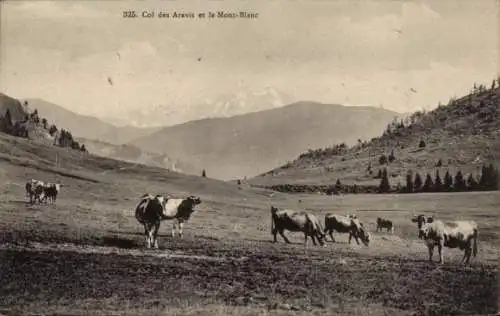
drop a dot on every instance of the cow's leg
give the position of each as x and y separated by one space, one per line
465 256
181 224
431 251
282 233
155 234
148 231
355 237
173 228
314 239
467 253
440 251
275 232
305 239
331 235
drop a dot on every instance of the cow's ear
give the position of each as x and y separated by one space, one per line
414 219
430 219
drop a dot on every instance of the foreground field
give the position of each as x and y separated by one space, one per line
85 254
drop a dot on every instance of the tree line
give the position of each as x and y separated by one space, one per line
62 138
488 180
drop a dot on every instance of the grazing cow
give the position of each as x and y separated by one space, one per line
345 224
50 191
385 223
149 213
454 234
180 211
295 221
34 190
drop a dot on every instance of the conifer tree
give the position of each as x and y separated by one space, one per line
459 184
448 181
428 185
384 182
409 181
438 183
417 184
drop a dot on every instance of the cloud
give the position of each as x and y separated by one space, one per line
360 53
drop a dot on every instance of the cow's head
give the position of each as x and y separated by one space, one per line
365 236
194 199
321 237
162 200
273 209
423 231
421 220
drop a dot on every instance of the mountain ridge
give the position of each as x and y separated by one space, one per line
79 123
243 145
463 135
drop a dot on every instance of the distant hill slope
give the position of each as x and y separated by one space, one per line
87 126
86 176
462 135
136 155
249 144
15 107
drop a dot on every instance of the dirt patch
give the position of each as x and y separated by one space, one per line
54 247
191 272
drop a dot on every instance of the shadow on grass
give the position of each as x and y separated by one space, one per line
118 242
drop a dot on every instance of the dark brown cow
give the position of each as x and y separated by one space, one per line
346 224
385 223
296 221
51 190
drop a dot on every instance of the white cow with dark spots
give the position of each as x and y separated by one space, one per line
34 190
453 234
180 211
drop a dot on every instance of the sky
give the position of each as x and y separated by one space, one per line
402 55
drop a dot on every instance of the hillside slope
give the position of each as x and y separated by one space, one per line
246 145
15 107
134 154
463 135
22 159
87 126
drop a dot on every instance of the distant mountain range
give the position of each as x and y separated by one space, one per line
252 143
226 147
87 126
224 106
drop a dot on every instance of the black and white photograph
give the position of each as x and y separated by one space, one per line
237 157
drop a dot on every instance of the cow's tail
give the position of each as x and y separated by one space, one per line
474 246
273 224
